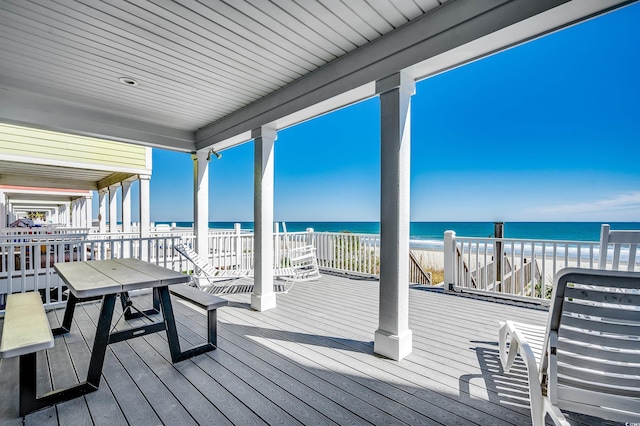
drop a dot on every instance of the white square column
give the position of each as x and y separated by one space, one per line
126 206
393 338
263 296
74 214
88 211
145 214
201 202
113 208
63 215
82 212
102 211
3 210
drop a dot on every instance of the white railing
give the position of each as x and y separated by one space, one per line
349 253
525 269
234 249
29 265
43 230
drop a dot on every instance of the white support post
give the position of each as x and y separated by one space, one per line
113 208
277 251
74 214
82 212
126 216
449 259
237 253
145 215
201 202
88 211
263 296
393 338
102 211
3 210
11 213
310 237
126 206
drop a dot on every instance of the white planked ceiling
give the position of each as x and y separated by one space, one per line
195 62
213 70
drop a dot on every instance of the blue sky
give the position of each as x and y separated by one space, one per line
547 131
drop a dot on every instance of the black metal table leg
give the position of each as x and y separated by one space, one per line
28 395
29 401
68 316
156 299
101 340
128 308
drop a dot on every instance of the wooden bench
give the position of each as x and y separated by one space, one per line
206 301
26 330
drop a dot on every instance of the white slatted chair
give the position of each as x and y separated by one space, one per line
622 245
587 358
302 258
208 278
223 281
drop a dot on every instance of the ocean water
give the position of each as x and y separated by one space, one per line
432 233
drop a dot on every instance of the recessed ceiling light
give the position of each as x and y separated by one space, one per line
128 81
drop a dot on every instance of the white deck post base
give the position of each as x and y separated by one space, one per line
393 346
263 302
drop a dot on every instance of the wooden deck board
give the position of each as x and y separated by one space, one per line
309 361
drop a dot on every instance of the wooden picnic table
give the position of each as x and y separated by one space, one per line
106 279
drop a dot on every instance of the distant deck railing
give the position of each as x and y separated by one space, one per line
27 264
349 253
524 269
27 258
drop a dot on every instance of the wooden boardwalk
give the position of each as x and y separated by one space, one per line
309 361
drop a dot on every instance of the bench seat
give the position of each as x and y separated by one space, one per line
208 302
26 327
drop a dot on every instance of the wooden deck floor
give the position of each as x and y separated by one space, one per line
309 361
